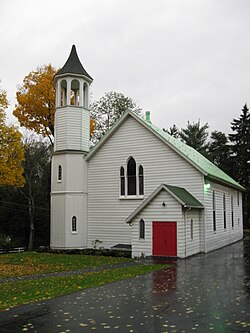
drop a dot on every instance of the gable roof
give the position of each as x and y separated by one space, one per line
199 161
180 194
73 66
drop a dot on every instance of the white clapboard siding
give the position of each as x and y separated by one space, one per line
71 129
193 245
106 212
222 237
155 212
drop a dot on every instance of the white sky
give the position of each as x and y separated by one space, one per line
181 59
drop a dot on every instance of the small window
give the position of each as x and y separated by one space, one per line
141 180
59 176
74 224
122 181
232 211
192 229
238 198
142 229
131 176
214 212
224 211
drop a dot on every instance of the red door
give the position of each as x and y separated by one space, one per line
164 239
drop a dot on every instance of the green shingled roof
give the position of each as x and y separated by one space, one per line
193 156
184 197
73 65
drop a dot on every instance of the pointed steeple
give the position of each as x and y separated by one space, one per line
73 66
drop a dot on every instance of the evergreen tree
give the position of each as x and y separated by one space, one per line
195 136
240 140
219 151
173 131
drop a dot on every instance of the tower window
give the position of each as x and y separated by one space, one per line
59 175
85 95
74 93
63 93
73 226
142 229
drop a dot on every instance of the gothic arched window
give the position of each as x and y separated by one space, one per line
131 179
141 180
131 176
142 229
122 181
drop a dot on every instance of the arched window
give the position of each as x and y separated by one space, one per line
141 180
122 181
142 229
73 225
63 93
59 175
131 179
74 93
85 95
131 176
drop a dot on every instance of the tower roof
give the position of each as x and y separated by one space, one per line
73 65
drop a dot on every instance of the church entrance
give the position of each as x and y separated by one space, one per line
164 239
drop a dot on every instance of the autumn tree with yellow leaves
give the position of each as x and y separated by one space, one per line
11 150
35 107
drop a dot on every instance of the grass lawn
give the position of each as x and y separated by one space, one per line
26 291
30 263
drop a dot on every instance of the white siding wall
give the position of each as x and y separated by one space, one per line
221 237
72 128
193 245
155 212
106 212
68 199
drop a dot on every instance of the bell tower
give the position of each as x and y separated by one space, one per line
69 169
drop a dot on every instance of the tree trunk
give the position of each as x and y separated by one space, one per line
32 225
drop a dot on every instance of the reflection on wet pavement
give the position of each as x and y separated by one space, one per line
202 294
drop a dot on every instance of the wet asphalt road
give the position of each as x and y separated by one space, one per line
205 293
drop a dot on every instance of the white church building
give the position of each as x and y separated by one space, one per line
138 188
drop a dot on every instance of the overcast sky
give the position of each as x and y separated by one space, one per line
181 59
